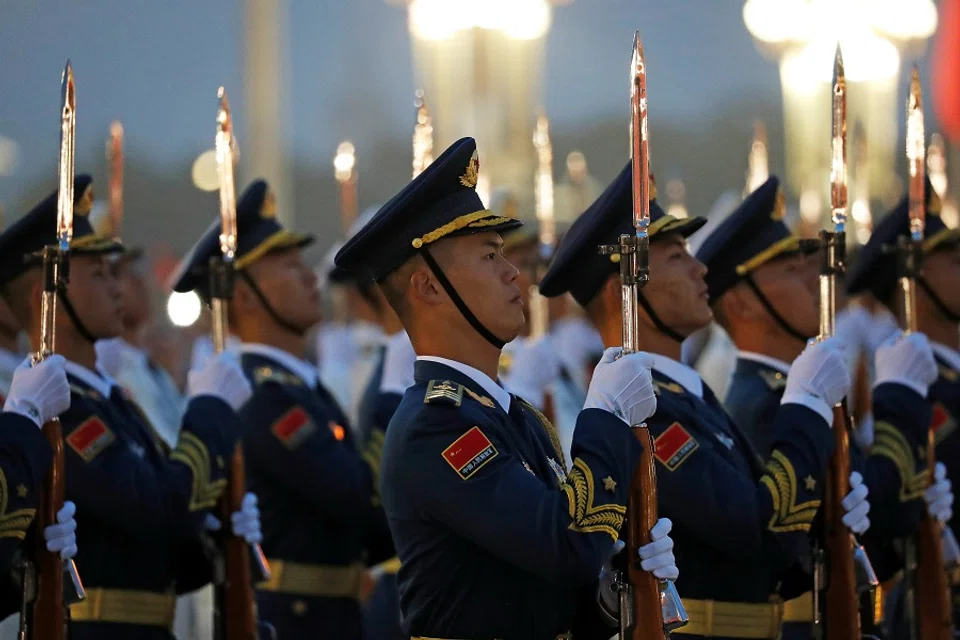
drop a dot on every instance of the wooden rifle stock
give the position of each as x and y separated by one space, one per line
931 588
237 611
49 613
841 602
641 517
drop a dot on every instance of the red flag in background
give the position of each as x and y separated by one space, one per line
946 70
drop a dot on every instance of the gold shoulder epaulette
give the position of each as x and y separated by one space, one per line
269 374
484 400
444 392
672 387
773 379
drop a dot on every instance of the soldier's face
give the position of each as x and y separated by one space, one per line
792 287
677 289
942 272
524 258
134 292
486 281
290 286
95 294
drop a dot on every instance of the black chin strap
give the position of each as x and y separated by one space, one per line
780 320
657 322
951 315
74 318
457 300
266 304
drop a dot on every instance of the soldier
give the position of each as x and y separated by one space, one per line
764 292
495 539
141 510
314 484
938 316
740 527
37 394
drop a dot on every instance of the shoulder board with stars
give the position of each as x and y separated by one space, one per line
773 379
270 374
444 392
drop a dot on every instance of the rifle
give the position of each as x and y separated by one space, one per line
929 587
649 608
547 236
115 159
237 565
56 582
848 563
422 136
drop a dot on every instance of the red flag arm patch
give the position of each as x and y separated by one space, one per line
470 452
674 446
90 438
943 423
293 428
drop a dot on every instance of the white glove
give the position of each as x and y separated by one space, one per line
818 378
623 386
246 522
62 537
655 557
939 495
852 325
40 392
222 378
856 506
906 360
398 361
883 325
534 367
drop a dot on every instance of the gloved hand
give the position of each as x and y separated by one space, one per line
906 360
40 392
655 557
62 537
623 386
851 326
246 522
398 361
222 378
883 325
818 378
856 506
534 367
939 495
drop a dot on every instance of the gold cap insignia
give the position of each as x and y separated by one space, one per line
469 179
779 206
85 204
268 210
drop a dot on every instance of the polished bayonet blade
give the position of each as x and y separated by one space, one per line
639 148
65 170
115 158
225 146
544 184
838 161
916 160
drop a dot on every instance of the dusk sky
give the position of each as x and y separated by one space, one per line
156 67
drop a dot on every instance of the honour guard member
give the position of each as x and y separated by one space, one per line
37 394
763 289
141 510
313 483
938 316
740 527
495 538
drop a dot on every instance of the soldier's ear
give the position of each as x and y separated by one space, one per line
425 288
739 303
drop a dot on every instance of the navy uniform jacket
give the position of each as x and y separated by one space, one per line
316 497
495 539
739 527
140 511
945 397
894 470
25 458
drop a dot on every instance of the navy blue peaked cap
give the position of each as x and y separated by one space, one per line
577 265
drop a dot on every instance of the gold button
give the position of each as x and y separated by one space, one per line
299 607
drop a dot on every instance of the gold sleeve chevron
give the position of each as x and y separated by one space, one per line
781 481
551 431
192 452
587 517
15 523
372 455
890 443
